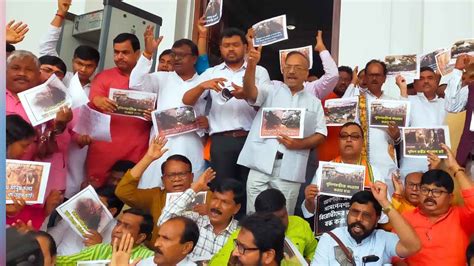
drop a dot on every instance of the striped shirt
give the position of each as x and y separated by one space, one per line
209 243
100 252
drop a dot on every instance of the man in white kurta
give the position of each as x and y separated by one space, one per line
427 110
170 88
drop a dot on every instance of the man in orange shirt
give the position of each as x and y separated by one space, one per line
443 229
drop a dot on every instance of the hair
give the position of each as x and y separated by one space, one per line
426 68
360 72
191 230
112 200
122 166
10 48
270 200
86 52
231 32
375 61
348 124
364 197
179 158
439 178
20 54
346 69
123 37
470 252
53 251
18 129
54 61
228 184
268 232
146 226
165 52
292 53
187 42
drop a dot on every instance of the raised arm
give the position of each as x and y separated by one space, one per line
140 78
47 44
409 242
325 85
456 94
402 85
250 90
178 206
202 63
15 32
127 189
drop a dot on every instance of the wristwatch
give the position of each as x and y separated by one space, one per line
387 209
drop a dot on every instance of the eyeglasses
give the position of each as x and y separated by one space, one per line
288 68
352 136
180 55
48 70
179 176
413 185
241 249
355 213
435 192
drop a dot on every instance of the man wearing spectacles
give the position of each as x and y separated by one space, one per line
350 143
260 241
360 237
444 230
170 88
177 177
406 197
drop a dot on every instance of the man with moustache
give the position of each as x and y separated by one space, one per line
129 135
218 224
229 120
177 177
444 230
361 237
170 88
427 110
350 143
135 222
379 143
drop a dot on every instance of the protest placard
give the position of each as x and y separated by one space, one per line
132 103
26 180
285 121
175 121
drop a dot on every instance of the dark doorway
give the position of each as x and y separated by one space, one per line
308 16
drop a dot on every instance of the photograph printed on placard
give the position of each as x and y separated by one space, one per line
444 62
132 103
382 112
26 180
282 121
213 12
462 47
406 65
418 142
199 199
175 121
270 31
340 111
341 180
429 59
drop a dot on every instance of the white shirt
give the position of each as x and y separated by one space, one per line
170 89
424 113
259 154
379 243
378 146
68 242
455 95
234 114
149 262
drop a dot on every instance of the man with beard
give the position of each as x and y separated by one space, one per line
218 224
260 241
350 143
379 144
406 197
129 135
229 121
427 110
444 230
170 88
135 222
177 177
361 237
